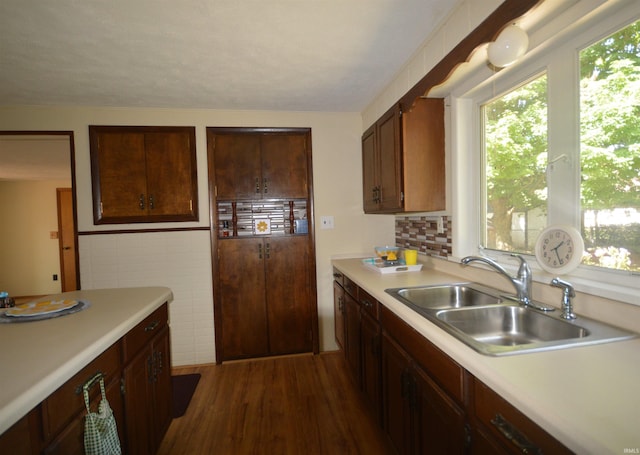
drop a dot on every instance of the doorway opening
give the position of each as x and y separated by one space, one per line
39 237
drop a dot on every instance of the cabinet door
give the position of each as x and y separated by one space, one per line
369 171
162 390
241 293
139 403
396 389
284 165
236 165
338 314
120 189
288 294
370 336
171 173
423 156
71 440
390 161
440 423
20 438
352 336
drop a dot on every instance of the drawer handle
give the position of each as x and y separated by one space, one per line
366 303
98 375
151 327
512 434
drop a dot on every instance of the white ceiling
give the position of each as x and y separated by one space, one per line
35 157
293 55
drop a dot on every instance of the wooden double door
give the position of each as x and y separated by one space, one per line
264 283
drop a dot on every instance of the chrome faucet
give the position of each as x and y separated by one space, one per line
522 282
567 293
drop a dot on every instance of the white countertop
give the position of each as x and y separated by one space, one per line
586 397
38 357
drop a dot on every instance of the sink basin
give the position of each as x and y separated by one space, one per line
511 326
446 296
492 325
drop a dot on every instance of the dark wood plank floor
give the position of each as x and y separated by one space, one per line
289 405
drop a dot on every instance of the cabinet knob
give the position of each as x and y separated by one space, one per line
141 202
151 202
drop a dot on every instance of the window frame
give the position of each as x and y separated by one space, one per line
559 58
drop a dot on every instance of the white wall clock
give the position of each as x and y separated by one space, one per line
559 249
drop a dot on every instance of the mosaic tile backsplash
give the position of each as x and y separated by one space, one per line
421 233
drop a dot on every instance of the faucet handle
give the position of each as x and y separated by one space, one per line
567 293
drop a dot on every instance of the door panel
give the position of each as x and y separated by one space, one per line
67 240
390 162
169 167
242 299
288 290
122 174
284 166
237 166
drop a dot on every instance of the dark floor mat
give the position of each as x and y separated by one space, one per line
183 388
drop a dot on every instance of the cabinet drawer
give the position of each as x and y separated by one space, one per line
513 429
71 440
61 406
351 287
338 276
142 334
443 369
368 303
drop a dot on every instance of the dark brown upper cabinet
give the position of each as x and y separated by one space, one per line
143 174
403 160
259 166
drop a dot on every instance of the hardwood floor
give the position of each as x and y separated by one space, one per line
288 405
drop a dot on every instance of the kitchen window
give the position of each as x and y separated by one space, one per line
560 144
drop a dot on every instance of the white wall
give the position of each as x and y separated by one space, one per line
464 19
108 260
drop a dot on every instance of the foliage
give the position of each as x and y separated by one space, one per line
516 140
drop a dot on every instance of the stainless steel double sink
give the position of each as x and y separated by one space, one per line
494 324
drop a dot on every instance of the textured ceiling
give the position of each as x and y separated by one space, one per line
304 55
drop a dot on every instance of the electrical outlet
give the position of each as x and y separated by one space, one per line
55 277
440 225
326 222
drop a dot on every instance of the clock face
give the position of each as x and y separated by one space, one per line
559 249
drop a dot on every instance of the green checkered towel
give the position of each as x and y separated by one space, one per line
100 431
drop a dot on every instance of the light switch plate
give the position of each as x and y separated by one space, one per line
326 222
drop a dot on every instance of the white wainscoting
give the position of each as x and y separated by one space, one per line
179 260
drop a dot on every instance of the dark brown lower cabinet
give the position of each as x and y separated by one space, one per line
137 376
371 336
418 416
147 383
147 388
265 296
426 402
352 337
338 312
71 440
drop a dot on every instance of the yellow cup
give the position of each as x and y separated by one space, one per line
410 257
